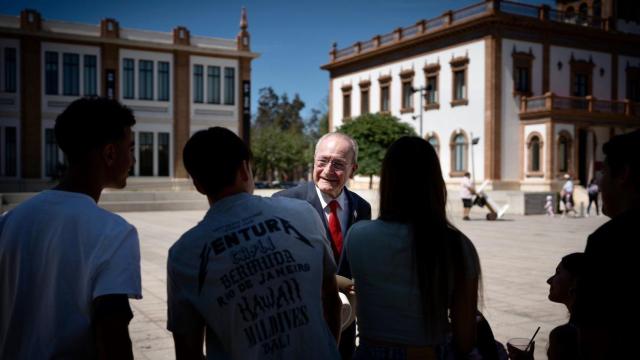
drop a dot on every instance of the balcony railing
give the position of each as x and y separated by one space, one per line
449 18
551 102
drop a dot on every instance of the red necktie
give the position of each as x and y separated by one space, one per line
334 226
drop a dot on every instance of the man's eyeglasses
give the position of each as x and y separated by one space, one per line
335 164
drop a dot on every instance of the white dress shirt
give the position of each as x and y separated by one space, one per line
343 212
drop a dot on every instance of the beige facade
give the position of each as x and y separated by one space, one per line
176 83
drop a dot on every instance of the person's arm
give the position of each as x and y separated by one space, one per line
111 317
332 305
189 347
183 320
463 314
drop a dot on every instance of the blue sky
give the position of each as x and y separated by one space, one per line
293 37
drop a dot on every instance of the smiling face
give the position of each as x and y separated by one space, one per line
333 164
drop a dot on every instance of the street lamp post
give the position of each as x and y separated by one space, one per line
421 90
474 141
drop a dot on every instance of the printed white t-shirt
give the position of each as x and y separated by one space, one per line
465 188
251 272
58 252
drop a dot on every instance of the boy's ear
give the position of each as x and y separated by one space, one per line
245 171
109 154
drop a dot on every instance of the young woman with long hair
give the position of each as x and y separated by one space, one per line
416 276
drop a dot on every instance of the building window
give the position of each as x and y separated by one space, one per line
51 72
364 97
163 154
213 84
459 92
564 152
583 13
459 146
50 153
146 153
198 91
10 70
459 68
71 74
10 151
229 86
346 102
597 9
407 91
534 147
145 76
385 94
163 81
633 83
570 15
432 138
364 101
522 65
432 90
431 96
90 75
128 80
581 77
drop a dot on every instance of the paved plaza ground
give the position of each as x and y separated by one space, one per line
517 254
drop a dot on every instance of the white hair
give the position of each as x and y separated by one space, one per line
354 144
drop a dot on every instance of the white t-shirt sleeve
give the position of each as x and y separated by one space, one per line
120 273
182 316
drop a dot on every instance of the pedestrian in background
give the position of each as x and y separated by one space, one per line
467 190
593 190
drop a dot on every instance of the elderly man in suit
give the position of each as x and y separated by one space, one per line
335 162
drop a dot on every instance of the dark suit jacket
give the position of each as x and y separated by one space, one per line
358 209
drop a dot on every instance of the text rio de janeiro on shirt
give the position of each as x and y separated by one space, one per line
264 285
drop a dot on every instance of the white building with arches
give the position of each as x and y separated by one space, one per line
541 88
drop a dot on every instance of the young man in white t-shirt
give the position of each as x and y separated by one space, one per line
67 266
256 273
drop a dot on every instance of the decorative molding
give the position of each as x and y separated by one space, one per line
459 102
364 83
459 62
152 109
407 73
224 113
384 79
431 68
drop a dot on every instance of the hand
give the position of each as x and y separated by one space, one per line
517 354
349 290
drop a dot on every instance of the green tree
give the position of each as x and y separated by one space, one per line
278 140
279 154
278 110
374 134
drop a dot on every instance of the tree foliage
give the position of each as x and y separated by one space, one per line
279 142
279 154
277 110
374 134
